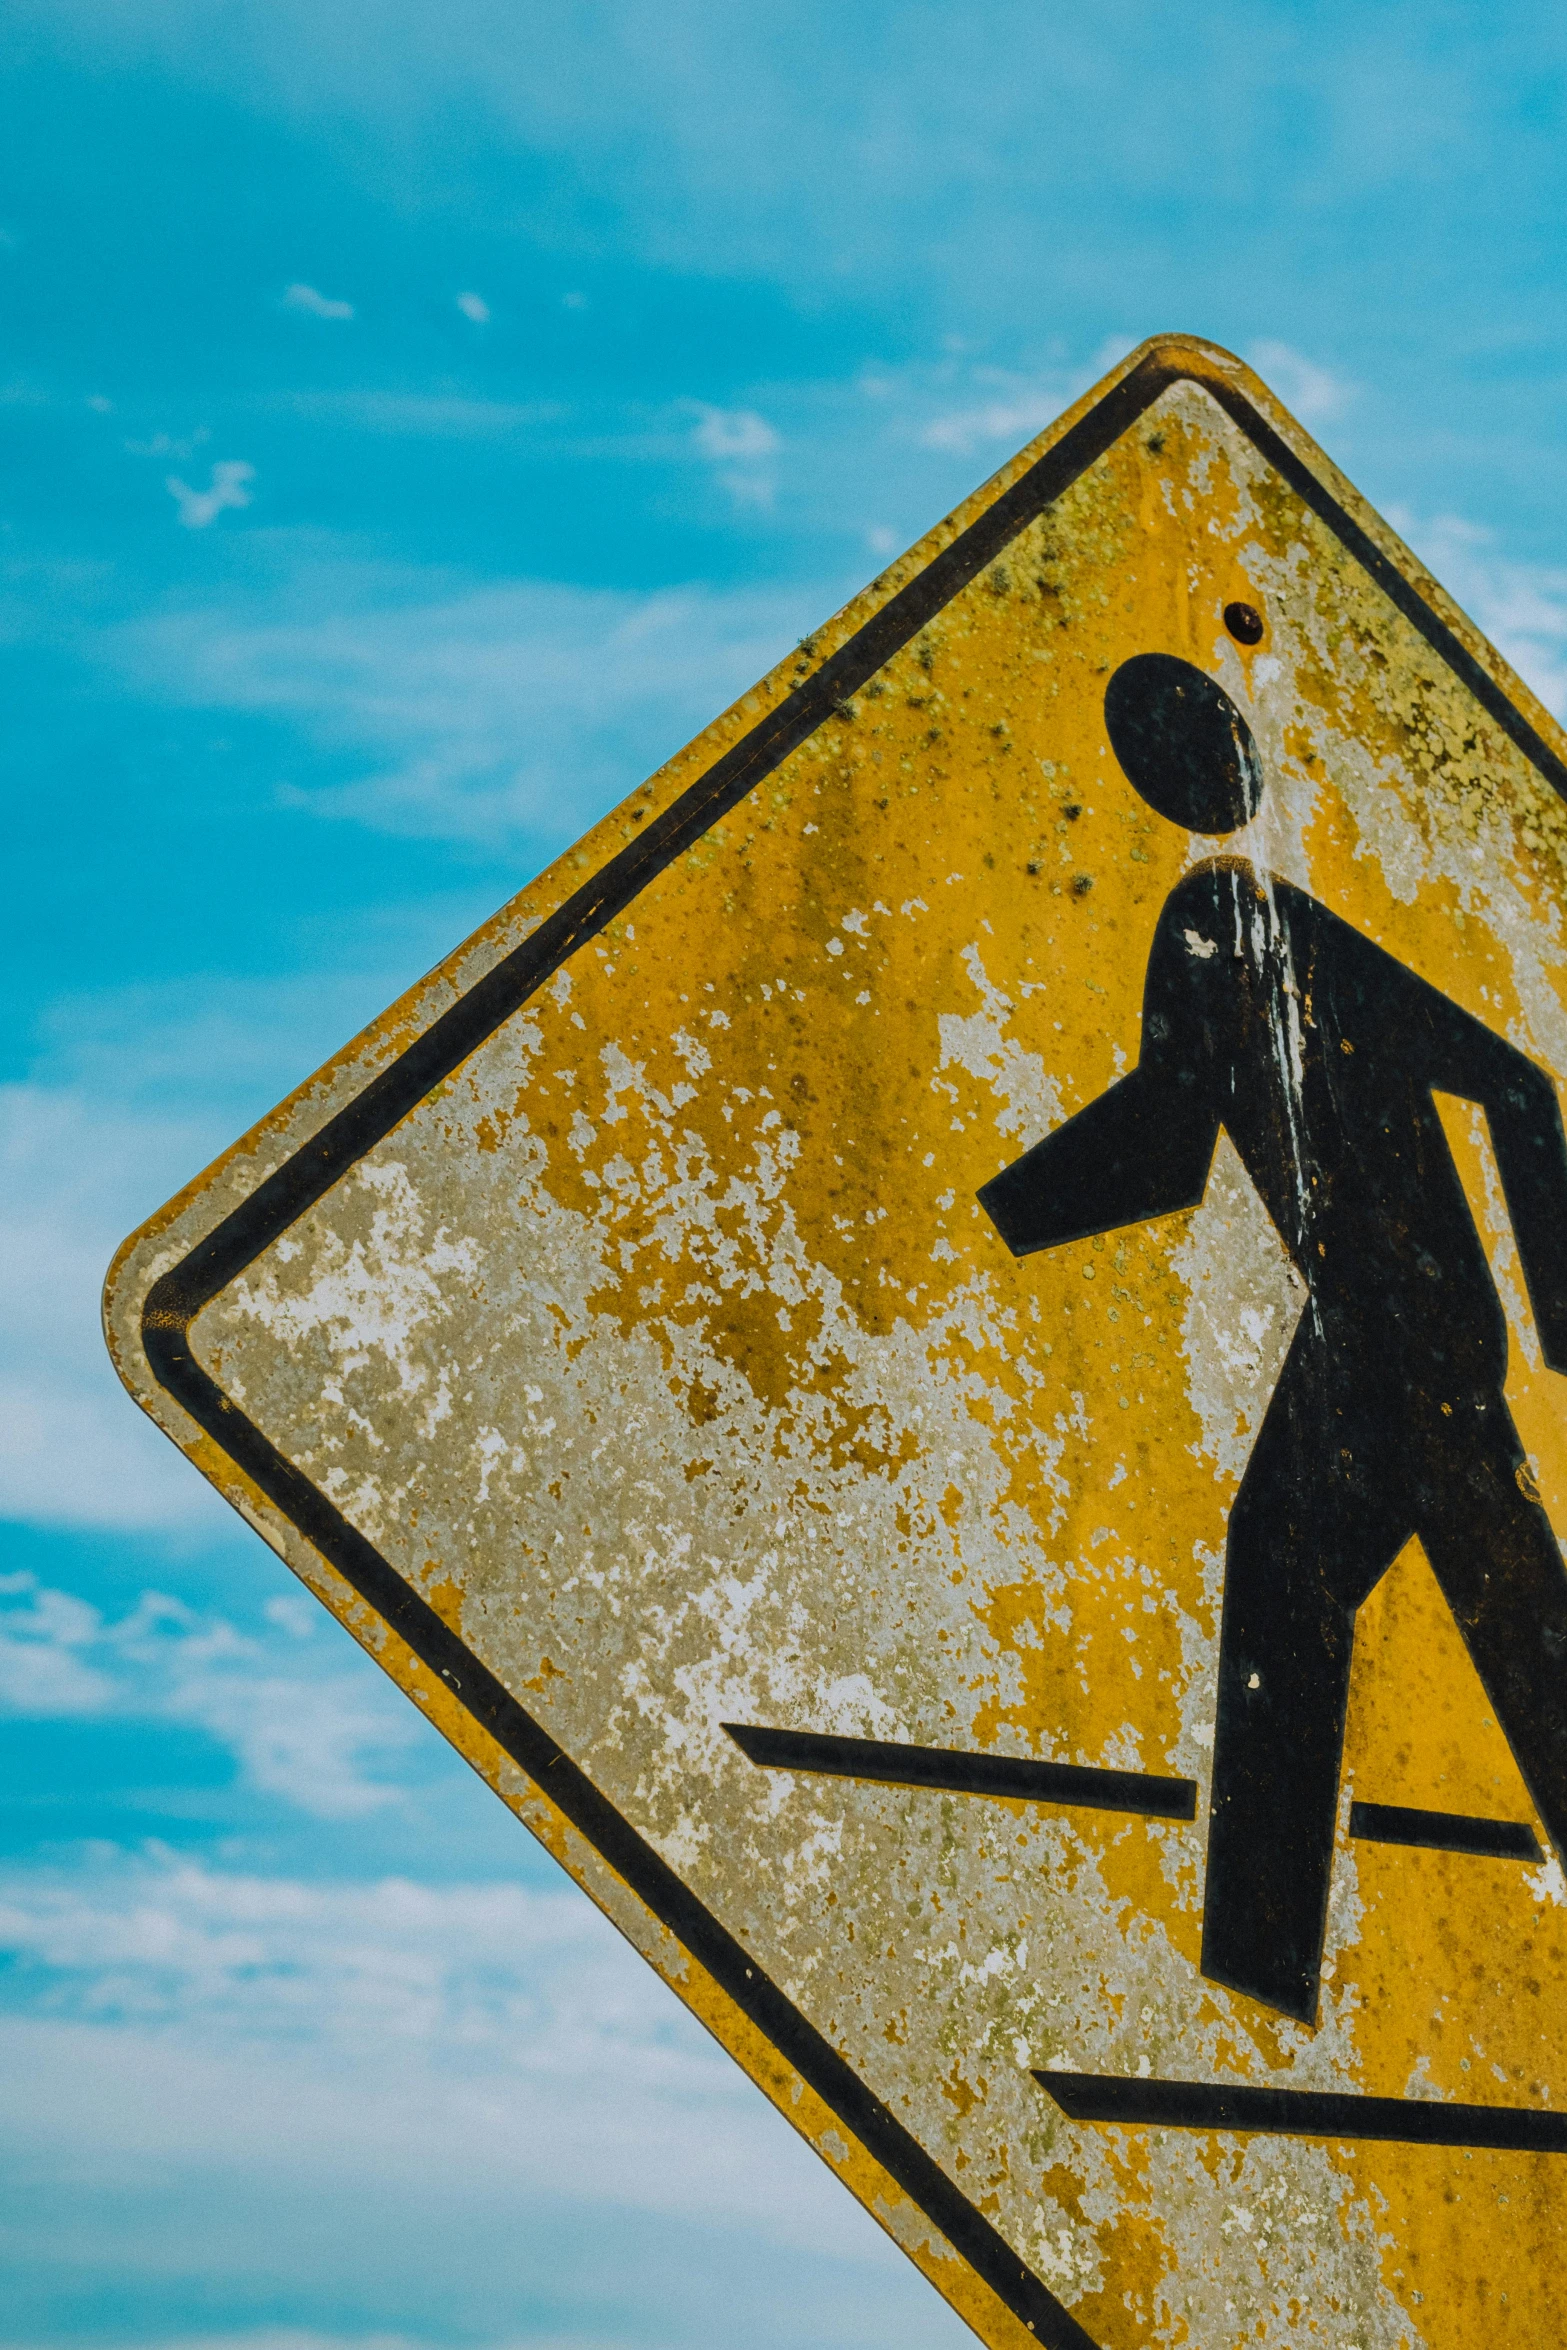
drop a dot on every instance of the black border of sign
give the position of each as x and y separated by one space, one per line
176 1299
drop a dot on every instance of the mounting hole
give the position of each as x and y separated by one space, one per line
1245 623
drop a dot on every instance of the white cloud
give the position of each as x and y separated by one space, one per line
139 1092
728 433
1312 391
158 1936
73 1449
430 2050
964 410
1111 351
41 1670
431 415
286 2338
314 1743
163 444
738 443
293 1614
988 410
280 2337
1012 420
312 1738
194 1056
314 304
199 508
474 306
523 707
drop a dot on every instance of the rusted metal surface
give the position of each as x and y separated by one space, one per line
659 1348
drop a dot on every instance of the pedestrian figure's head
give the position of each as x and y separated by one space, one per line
1183 743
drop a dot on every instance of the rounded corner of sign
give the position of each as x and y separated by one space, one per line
1174 345
127 1284
1198 359
1174 356
131 1321
1173 353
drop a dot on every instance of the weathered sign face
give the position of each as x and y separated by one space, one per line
940 1354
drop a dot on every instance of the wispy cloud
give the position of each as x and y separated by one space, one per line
164 444
42 1635
730 434
433 2050
740 445
967 411
229 486
475 307
155 1936
434 415
284 2337
73 1450
522 708
309 1737
315 304
1314 392
1010 418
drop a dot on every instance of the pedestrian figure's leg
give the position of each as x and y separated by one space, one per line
1500 1569
1311 1531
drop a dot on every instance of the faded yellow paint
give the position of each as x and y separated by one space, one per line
664 1349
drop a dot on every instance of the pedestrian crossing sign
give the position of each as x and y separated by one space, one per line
941 1353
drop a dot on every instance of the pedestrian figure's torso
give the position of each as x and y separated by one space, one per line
1319 1054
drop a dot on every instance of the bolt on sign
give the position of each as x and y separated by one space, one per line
941 1355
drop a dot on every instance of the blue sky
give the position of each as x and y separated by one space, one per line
416 423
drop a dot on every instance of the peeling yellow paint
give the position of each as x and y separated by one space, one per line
664 1350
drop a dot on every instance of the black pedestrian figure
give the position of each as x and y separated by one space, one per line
1318 1053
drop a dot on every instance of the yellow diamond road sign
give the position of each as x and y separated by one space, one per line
939 1354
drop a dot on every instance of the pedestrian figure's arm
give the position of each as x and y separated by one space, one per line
1138 1151
1525 1119
1144 1148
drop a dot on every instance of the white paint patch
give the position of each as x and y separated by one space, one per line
979 1044
1243 1303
